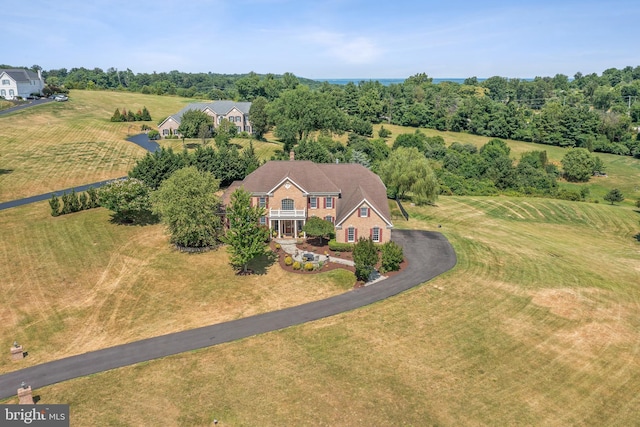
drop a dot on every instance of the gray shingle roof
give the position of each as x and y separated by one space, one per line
219 107
20 75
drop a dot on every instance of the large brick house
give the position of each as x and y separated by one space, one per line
236 112
17 82
352 197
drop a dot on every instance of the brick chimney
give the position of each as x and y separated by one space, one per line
292 156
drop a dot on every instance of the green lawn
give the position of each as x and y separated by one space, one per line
536 325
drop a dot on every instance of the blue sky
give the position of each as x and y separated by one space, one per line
326 39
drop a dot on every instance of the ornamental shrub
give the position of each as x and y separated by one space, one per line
288 261
392 256
308 266
296 265
340 247
55 205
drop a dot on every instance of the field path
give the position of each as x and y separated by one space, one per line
140 140
429 254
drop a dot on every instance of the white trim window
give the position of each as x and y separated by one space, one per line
351 234
329 202
313 202
262 201
329 218
263 220
364 212
6 81
287 205
375 234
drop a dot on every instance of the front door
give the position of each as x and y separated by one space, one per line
288 228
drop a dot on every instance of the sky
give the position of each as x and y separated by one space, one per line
326 39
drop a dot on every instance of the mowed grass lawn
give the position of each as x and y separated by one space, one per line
537 325
63 144
77 283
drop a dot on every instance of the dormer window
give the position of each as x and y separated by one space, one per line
364 211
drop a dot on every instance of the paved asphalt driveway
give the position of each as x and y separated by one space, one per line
27 105
429 254
140 140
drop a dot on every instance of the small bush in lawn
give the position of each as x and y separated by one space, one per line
296 265
288 261
308 266
392 256
55 205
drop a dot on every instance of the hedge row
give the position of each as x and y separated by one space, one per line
73 202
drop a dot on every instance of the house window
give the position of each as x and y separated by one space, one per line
11 92
313 202
351 234
238 119
329 218
165 131
3 92
286 204
219 119
6 82
263 220
375 234
328 202
262 202
364 211
239 128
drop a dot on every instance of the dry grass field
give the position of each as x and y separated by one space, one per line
537 325
64 144
77 283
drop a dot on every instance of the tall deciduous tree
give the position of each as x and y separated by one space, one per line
128 198
188 205
192 123
245 237
259 117
407 170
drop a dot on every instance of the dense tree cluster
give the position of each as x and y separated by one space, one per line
130 116
192 85
227 164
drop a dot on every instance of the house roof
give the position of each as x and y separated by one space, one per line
221 108
20 75
353 182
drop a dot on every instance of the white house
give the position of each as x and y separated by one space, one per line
19 82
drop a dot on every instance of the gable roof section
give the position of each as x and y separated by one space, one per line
358 185
355 183
221 108
20 75
305 174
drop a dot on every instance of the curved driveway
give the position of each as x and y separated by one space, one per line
140 140
429 254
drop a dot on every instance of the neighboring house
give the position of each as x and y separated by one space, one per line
19 82
349 195
236 112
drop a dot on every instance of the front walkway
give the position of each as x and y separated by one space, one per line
289 246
